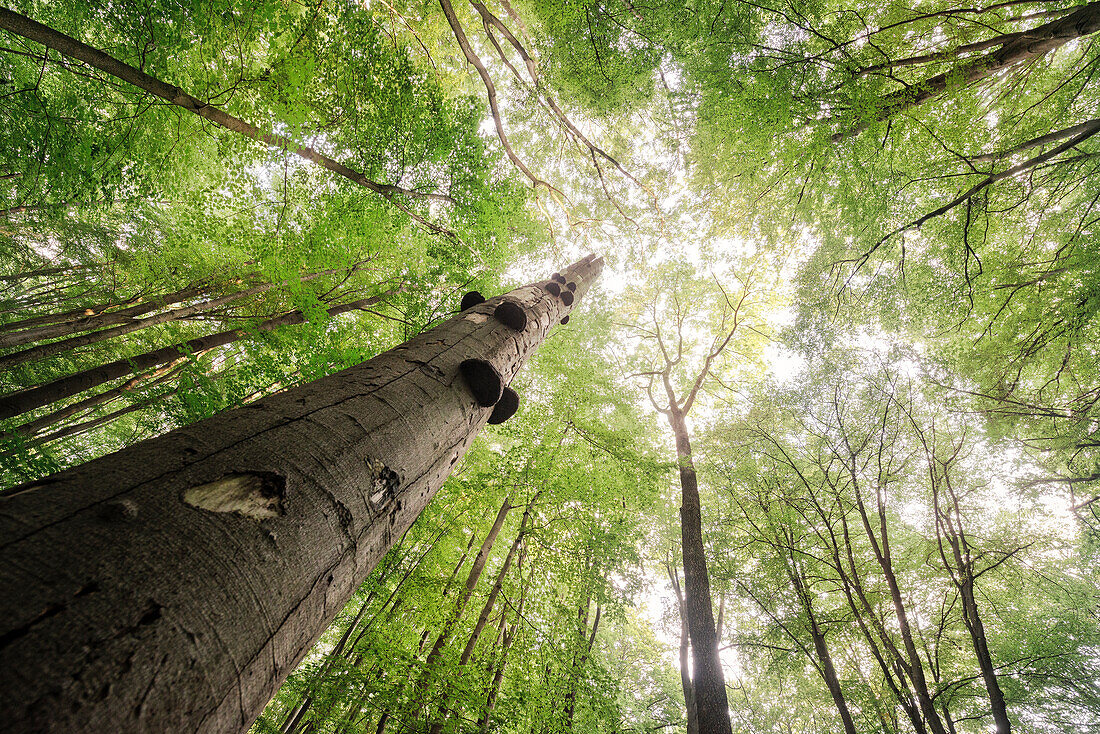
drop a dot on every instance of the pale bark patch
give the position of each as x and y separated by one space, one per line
257 495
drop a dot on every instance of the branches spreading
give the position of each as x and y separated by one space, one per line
491 93
52 39
731 320
1015 48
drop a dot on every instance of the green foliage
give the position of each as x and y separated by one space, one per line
916 293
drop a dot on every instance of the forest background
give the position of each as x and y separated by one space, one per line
858 242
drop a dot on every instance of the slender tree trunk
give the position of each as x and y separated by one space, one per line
498 584
41 272
447 588
294 719
821 649
30 399
127 324
912 663
427 675
578 669
961 567
52 39
30 428
685 655
502 662
83 427
1021 47
711 703
486 610
423 683
52 326
173 585
874 632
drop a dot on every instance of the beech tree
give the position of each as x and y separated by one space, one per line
261 469
885 476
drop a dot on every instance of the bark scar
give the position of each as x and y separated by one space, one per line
258 495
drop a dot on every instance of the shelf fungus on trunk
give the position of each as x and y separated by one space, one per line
471 299
512 315
483 380
505 408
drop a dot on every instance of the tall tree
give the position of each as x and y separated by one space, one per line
708 688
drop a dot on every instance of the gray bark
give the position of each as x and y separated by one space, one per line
708 683
173 585
692 723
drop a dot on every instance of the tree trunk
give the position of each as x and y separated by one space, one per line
711 703
1021 47
685 655
41 272
427 675
578 668
30 399
447 588
173 585
486 610
127 324
961 567
30 428
298 713
32 30
52 326
498 673
821 649
912 664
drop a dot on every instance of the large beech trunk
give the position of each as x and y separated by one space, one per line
172 586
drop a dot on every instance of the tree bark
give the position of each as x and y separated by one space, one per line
711 704
173 585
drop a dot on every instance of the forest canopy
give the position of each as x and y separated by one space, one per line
818 450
